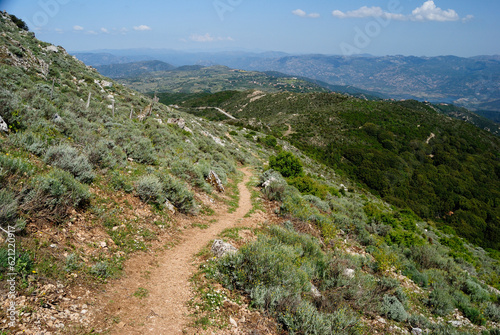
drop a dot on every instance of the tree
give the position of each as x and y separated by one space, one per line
287 164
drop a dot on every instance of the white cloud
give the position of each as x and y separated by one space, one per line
142 27
468 18
209 38
78 28
368 12
427 12
91 32
301 13
58 30
104 30
430 12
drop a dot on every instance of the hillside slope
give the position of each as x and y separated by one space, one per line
99 182
407 152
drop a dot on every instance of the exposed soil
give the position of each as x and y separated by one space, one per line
164 279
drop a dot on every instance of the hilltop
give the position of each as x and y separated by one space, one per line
112 201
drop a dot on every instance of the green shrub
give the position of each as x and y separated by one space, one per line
67 158
492 312
393 308
427 257
287 164
141 149
50 196
10 166
275 190
33 142
178 194
120 182
440 301
149 188
72 263
307 185
8 208
100 270
269 141
476 292
106 154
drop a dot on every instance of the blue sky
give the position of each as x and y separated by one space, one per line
378 27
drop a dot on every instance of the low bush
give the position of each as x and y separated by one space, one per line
67 158
178 194
106 154
440 301
394 309
10 166
476 291
149 188
307 185
287 164
492 312
100 270
120 182
276 271
141 149
50 196
8 208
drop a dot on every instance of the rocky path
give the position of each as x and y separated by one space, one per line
165 279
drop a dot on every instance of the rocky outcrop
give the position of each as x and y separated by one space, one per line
3 125
214 180
221 248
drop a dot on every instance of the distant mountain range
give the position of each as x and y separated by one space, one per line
161 77
469 82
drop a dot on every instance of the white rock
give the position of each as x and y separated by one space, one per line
349 273
52 48
169 206
3 125
221 248
416 331
315 292
105 83
233 322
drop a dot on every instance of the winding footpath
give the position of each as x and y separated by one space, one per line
164 310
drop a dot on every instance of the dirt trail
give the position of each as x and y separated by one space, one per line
164 311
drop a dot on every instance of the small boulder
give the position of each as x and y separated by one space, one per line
214 180
57 118
169 206
349 273
221 248
315 292
416 331
52 48
3 125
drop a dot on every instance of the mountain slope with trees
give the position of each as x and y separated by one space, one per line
407 152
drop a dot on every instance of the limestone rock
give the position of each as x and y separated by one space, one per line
181 123
416 331
169 206
52 48
57 118
349 273
3 125
214 180
315 292
221 248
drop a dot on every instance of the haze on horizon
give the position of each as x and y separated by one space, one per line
377 27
